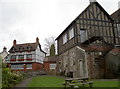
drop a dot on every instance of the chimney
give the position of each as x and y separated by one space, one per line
37 40
5 49
91 1
14 42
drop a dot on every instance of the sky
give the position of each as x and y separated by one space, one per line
24 20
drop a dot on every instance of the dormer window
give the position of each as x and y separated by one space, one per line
29 47
14 49
21 48
64 38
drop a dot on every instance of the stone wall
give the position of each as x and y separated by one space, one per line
73 63
112 64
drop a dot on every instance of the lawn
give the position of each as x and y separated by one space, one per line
46 81
50 81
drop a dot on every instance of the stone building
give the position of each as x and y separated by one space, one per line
82 46
27 56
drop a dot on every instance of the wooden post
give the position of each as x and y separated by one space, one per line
24 67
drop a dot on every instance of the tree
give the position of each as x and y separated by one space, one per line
48 43
52 50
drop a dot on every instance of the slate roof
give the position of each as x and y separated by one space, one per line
116 15
25 47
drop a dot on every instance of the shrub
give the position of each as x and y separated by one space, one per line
11 78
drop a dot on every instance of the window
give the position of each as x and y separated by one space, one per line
52 66
29 47
118 27
21 48
71 33
29 56
64 38
18 66
13 57
21 57
28 66
83 35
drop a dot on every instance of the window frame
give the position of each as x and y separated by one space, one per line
27 56
118 29
71 33
65 38
20 57
84 34
28 66
52 66
13 56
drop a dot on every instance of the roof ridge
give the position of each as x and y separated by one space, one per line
27 43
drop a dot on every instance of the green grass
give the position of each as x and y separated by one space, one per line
48 81
105 83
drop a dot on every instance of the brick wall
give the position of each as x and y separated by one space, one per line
37 66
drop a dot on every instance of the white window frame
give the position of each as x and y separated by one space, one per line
71 33
13 56
64 38
52 66
83 35
20 56
17 67
28 66
29 56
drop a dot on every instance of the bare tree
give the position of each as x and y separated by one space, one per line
48 42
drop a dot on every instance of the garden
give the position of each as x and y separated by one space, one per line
10 78
54 81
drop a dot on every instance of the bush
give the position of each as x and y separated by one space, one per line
11 78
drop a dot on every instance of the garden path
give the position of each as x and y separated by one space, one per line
23 84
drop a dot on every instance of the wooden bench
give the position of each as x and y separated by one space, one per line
84 83
76 82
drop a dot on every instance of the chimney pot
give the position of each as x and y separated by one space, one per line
4 49
37 40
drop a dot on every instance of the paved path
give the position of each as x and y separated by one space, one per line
23 84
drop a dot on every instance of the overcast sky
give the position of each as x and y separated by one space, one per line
24 20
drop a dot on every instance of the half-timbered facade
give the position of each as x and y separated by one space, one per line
84 43
116 17
28 56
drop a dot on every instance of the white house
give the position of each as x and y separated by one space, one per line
27 56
